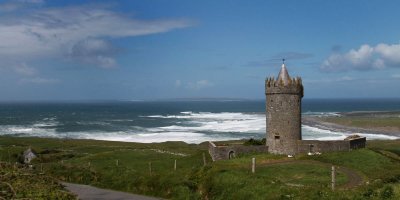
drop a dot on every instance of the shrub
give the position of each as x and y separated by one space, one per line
255 142
387 192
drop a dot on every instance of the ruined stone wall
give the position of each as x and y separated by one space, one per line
358 143
224 152
305 146
283 108
313 146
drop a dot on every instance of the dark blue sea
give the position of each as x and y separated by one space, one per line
157 121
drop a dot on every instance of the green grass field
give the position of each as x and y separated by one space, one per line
366 122
126 167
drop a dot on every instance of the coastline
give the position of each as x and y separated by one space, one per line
325 122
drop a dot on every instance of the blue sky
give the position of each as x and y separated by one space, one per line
133 50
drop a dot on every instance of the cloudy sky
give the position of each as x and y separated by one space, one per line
132 50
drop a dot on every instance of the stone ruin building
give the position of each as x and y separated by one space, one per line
28 155
283 116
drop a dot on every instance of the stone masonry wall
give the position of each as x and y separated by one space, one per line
303 146
283 108
358 143
223 152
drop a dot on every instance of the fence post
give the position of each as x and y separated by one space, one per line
117 162
253 166
175 165
333 177
150 168
204 159
9 157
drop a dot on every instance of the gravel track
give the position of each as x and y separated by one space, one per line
87 192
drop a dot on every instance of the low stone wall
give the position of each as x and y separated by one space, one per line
313 146
230 151
224 152
358 143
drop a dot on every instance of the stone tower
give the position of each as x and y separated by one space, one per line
283 102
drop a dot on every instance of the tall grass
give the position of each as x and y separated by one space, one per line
95 163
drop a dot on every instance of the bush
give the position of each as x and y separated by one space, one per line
387 192
369 193
255 142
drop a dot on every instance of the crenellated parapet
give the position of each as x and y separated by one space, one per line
278 86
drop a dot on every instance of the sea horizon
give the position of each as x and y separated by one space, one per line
160 121
184 99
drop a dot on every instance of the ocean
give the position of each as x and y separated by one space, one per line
158 121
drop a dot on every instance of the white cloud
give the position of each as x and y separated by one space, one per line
345 78
178 83
396 76
38 80
24 69
30 1
364 58
94 51
60 32
390 53
199 84
13 5
330 80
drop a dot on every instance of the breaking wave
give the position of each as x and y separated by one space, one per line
188 126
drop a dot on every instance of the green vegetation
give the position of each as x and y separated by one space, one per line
24 183
126 167
115 165
255 142
232 179
390 123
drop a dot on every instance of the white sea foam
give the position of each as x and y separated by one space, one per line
190 127
377 136
314 133
208 115
121 120
18 129
322 114
45 124
217 122
27 130
101 123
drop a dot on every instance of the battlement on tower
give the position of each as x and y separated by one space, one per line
277 86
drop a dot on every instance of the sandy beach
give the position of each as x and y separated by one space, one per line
372 122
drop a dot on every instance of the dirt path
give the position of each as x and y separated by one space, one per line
87 192
354 179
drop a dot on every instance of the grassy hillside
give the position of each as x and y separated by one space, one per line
371 173
17 182
374 123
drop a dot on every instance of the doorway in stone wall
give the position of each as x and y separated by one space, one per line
231 154
311 148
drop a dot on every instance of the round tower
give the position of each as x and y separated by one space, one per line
283 106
